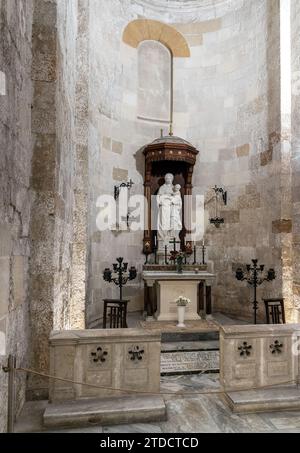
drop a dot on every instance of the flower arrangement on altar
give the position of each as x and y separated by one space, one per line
182 301
179 258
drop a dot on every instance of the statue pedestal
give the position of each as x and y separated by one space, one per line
168 286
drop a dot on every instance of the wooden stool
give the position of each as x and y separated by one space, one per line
275 311
116 311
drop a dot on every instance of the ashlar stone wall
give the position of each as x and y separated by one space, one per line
227 102
15 195
53 286
295 15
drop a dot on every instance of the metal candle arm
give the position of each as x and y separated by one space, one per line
254 278
120 268
127 185
221 191
218 221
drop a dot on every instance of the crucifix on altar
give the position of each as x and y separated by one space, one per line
174 243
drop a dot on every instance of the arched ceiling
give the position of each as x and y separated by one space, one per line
180 5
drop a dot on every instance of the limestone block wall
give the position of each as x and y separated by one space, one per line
53 181
67 35
15 197
237 127
227 103
295 14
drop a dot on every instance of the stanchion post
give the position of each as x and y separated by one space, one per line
11 370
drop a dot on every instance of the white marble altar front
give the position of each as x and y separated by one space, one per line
171 285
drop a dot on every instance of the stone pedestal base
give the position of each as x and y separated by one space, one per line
163 287
169 291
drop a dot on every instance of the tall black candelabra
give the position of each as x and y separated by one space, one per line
254 277
120 274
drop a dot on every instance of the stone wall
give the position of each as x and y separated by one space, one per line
15 196
295 14
67 35
53 179
81 183
227 103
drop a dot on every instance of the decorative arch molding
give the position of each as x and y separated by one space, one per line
141 30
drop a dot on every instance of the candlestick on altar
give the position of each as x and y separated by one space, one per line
166 255
155 254
195 255
203 254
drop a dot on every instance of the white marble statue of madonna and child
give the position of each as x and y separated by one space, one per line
169 202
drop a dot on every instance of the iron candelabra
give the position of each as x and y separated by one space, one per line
120 275
254 277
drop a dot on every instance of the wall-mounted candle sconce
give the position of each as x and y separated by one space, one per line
127 185
222 192
219 191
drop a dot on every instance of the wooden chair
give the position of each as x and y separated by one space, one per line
275 311
116 312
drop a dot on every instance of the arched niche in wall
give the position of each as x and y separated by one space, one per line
141 30
154 82
157 44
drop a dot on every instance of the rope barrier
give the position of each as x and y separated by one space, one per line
139 392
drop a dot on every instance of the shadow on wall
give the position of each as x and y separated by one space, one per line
140 161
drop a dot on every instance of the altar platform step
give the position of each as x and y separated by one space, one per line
108 411
269 400
191 327
190 346
190 357
187 336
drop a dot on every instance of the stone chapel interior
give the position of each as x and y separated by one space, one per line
161 99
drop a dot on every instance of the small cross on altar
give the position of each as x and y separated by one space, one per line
174 242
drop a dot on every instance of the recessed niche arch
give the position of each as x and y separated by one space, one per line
154 82
141 30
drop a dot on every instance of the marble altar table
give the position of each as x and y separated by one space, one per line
167 286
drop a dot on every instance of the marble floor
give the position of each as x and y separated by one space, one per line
136 320
187 413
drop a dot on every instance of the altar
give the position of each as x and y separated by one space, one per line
163 287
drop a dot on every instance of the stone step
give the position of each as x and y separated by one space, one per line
189 362
190 346
108 411
283 398
176 337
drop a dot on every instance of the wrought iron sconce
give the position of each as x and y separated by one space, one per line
219 191
127 185
217 221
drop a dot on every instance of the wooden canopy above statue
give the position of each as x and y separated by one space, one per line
167 154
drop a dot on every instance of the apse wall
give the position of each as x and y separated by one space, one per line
226 103
15 197
295 14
